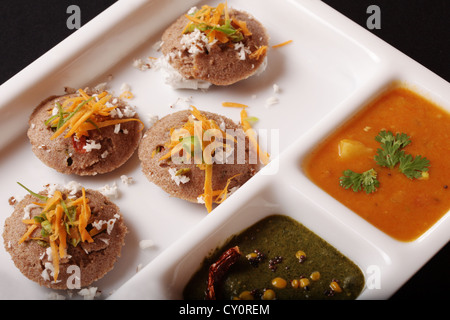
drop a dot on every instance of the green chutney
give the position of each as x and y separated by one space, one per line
280 247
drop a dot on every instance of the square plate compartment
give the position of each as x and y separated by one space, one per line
332 67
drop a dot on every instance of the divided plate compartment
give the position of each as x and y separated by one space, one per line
331 68
168 274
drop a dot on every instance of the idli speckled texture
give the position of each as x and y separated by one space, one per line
94 260
112 146
159 172
222 64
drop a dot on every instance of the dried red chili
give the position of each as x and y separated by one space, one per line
218 269
79 144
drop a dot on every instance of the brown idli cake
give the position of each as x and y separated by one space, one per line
84 132
214 45
55 237
197 156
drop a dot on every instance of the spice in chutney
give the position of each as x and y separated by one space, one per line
279 259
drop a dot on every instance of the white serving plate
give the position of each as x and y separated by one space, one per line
332 68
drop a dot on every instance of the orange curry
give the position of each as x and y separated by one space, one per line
401 207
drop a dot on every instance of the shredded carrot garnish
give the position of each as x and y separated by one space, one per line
94 231
195 132
60 231
192 136
55 258
186 29
222 194
227 14
217 24
264 157
242 27
281 44
73 203
198 115
258 52
216 196
57 196
62 222
80 114
107 123
39 204
233 105
194 19
84 218
28 233
29 221
126 95
57 240
207 196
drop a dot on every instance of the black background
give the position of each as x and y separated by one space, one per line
418 28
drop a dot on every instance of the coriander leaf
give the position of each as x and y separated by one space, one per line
34 194
182 171
78 108
50 119
46 228
392 146
252 120
61 116
39 218
191 144
357 181
413 167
